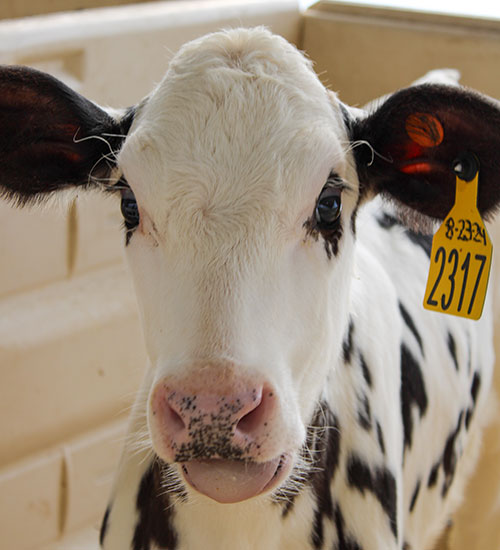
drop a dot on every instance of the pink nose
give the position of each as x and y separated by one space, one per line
208 415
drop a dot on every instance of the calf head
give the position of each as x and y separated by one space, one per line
240 177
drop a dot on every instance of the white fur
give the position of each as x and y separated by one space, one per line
221 266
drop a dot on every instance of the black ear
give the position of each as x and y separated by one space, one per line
43 126
414 139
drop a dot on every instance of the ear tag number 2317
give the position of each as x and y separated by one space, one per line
461 251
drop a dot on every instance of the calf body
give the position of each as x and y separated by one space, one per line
392 439
298 395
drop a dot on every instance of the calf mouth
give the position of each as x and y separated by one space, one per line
232 481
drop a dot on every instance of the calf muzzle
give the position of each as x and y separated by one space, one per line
216 423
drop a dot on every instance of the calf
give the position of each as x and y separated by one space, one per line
298 395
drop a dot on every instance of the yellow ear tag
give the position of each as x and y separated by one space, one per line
461 252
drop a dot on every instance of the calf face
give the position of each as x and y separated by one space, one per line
239 190
226 160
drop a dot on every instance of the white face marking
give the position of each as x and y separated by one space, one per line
226 160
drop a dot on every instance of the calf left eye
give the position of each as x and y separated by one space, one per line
130 211
328 208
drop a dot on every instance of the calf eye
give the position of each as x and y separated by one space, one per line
328 207
130 211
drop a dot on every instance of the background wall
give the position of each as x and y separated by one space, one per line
25 8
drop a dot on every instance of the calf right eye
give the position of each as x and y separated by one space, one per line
130 211
328 208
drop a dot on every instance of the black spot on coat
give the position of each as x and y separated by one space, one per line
325 445
453 349
366 371
345 541
474 390
414 497
347 345
476 384
364 413
450 456
412 392
423 241
380 438
433 475
388 221
155 513
407 318
378 481
468 417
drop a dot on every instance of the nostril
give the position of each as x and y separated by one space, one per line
251 421
254 419
174 420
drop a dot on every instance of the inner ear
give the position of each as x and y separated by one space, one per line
51 137
414 140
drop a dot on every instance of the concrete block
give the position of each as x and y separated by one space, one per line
99 236
91 462
30 501
71 357
32 247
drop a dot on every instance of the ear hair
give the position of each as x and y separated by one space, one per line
51 137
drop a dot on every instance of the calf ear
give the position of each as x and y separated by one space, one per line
414 139
50 136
